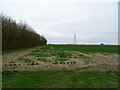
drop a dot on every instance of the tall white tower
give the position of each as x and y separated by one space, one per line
74 38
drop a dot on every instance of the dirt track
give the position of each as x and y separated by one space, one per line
99 62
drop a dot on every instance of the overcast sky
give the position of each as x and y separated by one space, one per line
93 21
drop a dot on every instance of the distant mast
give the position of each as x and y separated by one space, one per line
74 39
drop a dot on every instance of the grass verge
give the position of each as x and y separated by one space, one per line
20 49
60 79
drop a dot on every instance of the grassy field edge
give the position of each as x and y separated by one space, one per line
60 79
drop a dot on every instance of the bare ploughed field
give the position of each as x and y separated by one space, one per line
62 57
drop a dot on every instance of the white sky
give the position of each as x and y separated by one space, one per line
94 21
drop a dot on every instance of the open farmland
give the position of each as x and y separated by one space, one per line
62 66
56 44
64 57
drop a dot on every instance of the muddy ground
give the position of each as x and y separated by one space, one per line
97 61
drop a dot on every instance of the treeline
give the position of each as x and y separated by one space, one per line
18 35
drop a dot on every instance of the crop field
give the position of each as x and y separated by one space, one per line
65 57
62 66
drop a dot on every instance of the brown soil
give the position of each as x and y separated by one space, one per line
97 61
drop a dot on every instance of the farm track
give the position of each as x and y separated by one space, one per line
6 58
98 68
99 61
77 69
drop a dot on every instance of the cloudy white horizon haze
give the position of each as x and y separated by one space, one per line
93 22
